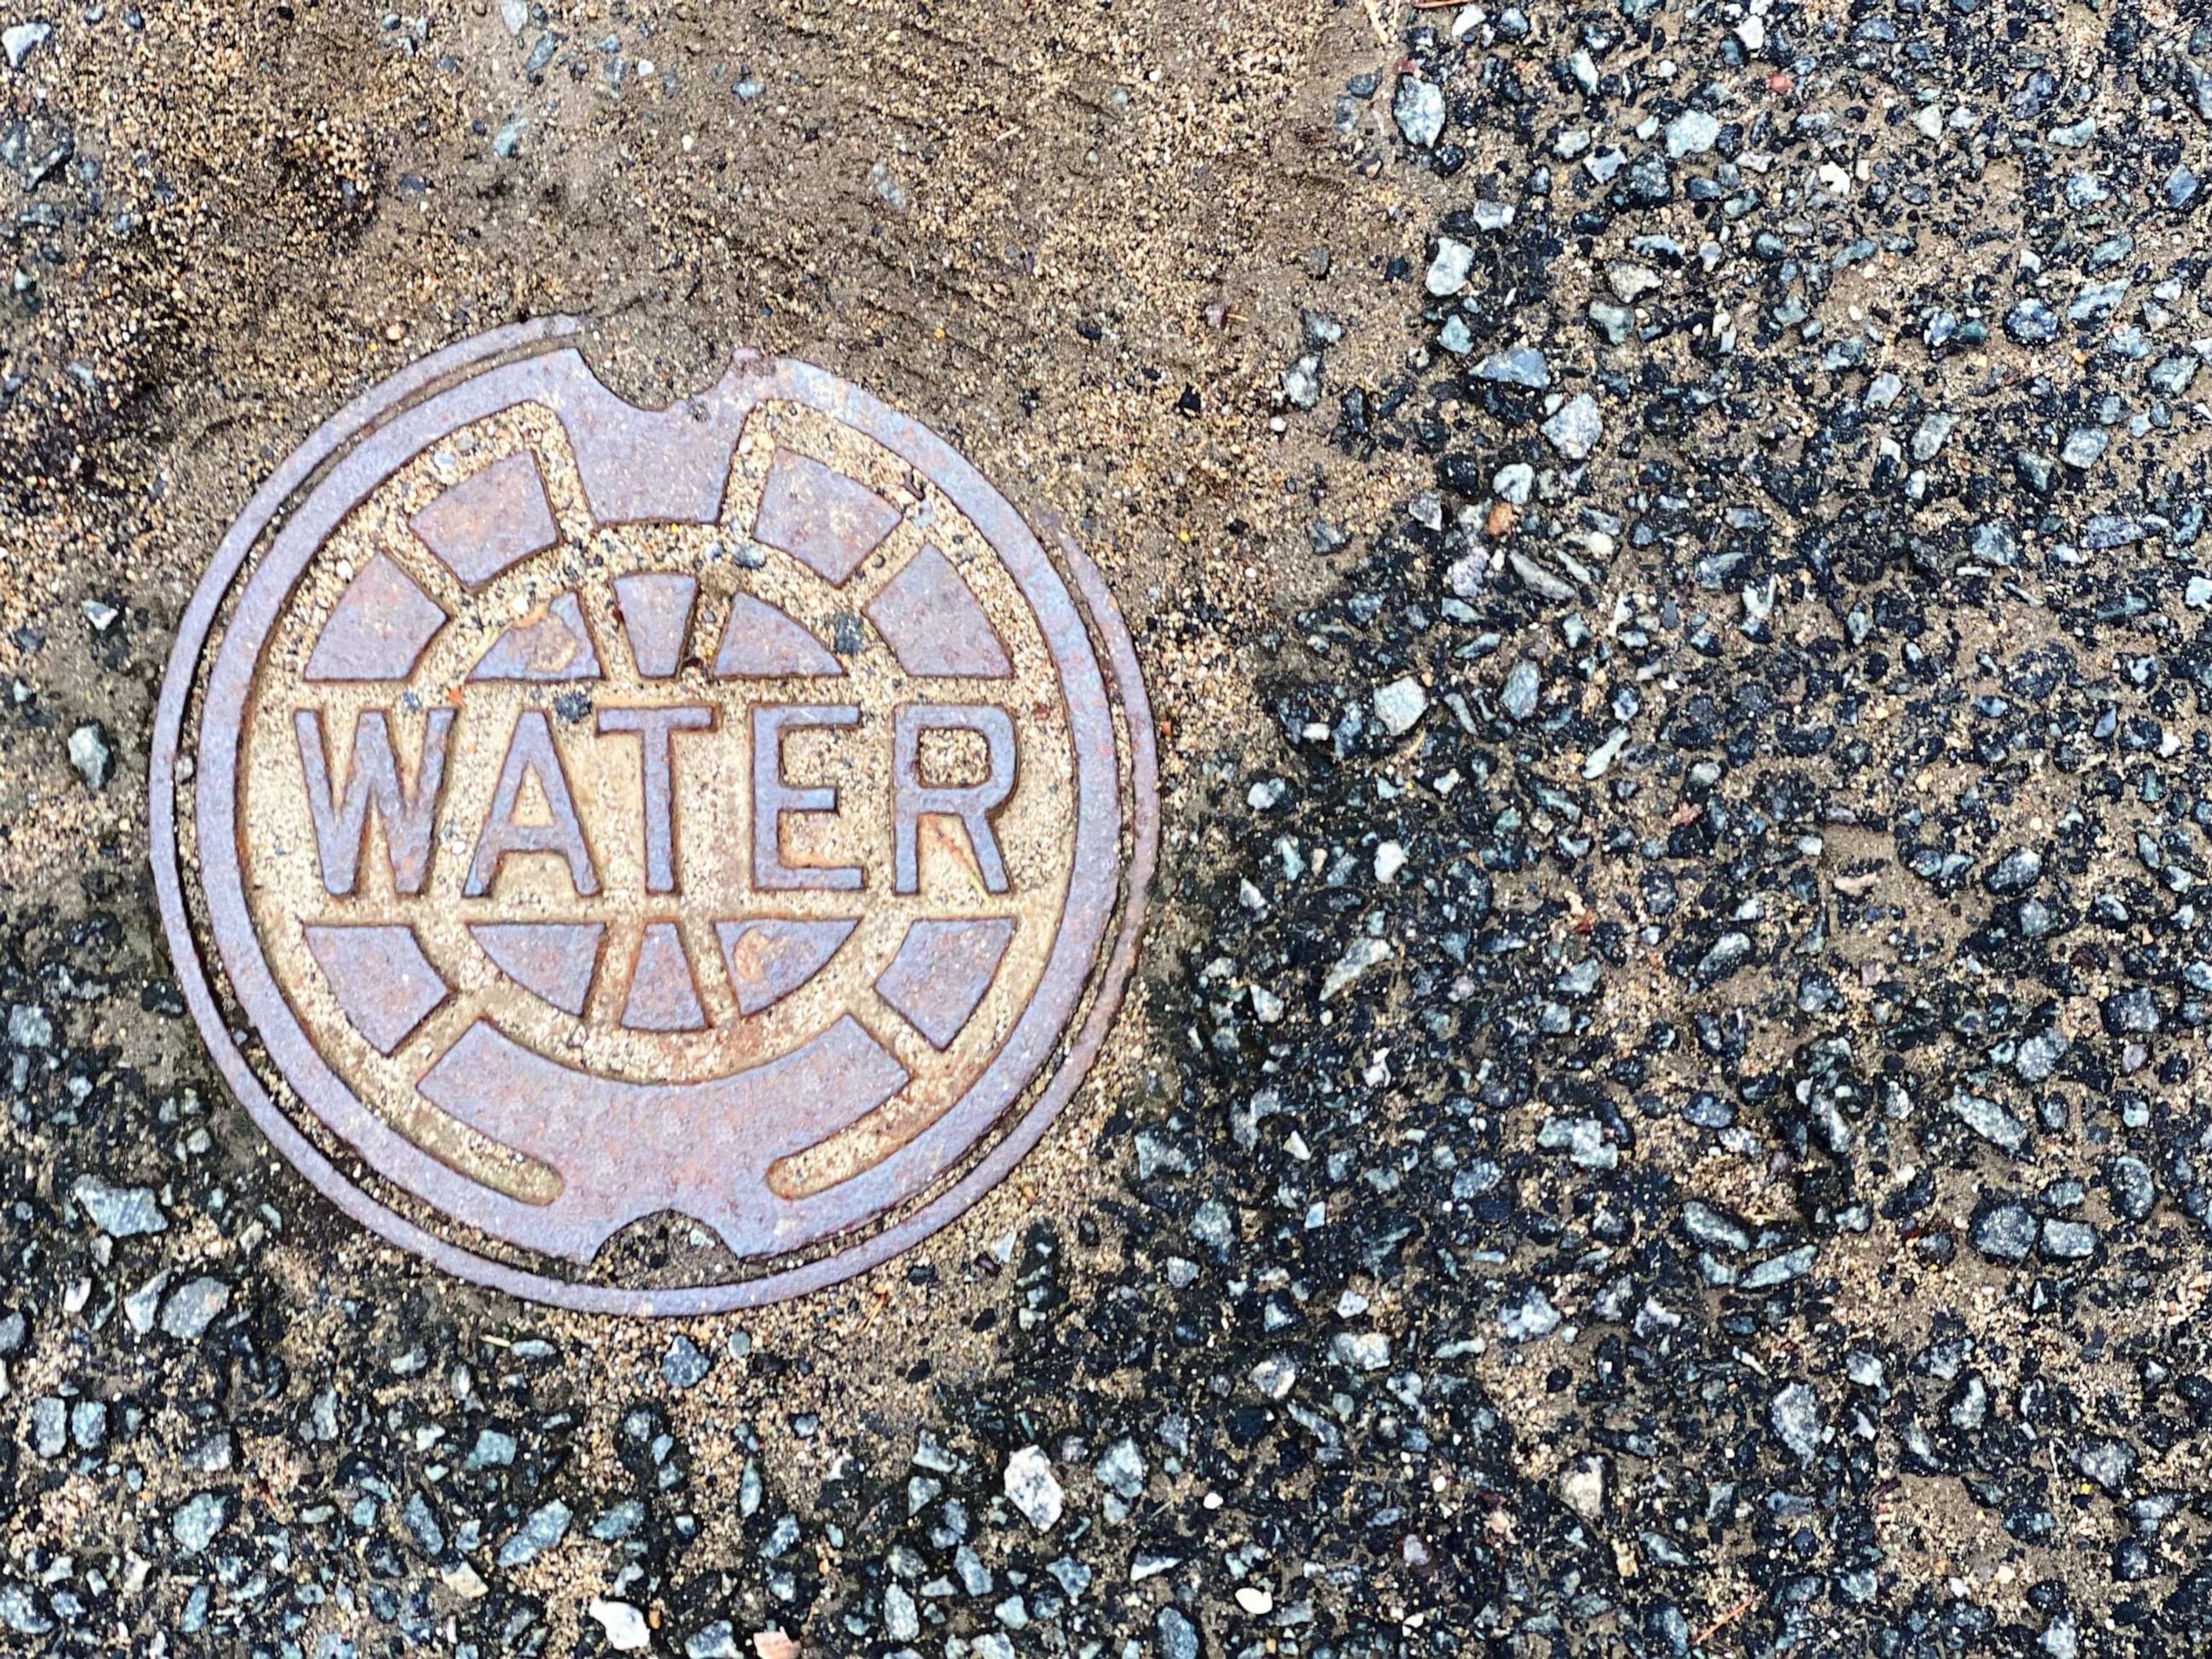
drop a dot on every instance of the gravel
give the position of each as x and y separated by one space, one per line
684 1365
2005 1232
193 1306
91 755
198 1519
1449 269
1662 1113
20 40
625 1626
545 1527
1517 365
1400 704
1032 1488
1575 430
1795 1413
1693 132
124 1212
1419 109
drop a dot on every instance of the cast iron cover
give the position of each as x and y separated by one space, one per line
648 861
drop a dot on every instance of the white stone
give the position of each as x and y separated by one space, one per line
1576 429
902 1619
1529 1317
20 41
89 754
1795 1413
119 1212
1419 109
627 1631
1275 1375
1032 1488
1583 1487
1448 270
1400 704
1121 1471
1602 757
1361 1350
1692 133
1363 953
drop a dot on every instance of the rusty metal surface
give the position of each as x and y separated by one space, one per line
572 901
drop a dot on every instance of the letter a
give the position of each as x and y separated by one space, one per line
530 752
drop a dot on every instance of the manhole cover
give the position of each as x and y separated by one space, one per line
648 861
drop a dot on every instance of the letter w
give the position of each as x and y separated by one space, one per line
373 778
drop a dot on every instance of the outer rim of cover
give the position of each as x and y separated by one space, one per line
1078 1051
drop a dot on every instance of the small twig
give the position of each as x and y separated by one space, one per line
1375 21
1439 5
883 1301
1723 1621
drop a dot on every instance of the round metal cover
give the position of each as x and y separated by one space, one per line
648 861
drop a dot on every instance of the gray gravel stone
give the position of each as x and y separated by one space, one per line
1212 1225
1361 1350
1121 1470
1448 271
1529 1315
124 1212
1575 430
547 1525
1032 1488
195 1523
29 1027
50 1425
1795 1414
1709 1227
87 1424
1693 132
2108 1462
1178 1636
1419 110
2038 1056
2083 445
1990 1121
20 40
193 1306
2004 1232
1936 427
91 755
1729 953
20 1612
2069 1240
684 1365
1781 1269
2134 1189
1400 704
624 1624
1520 365
1524 684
